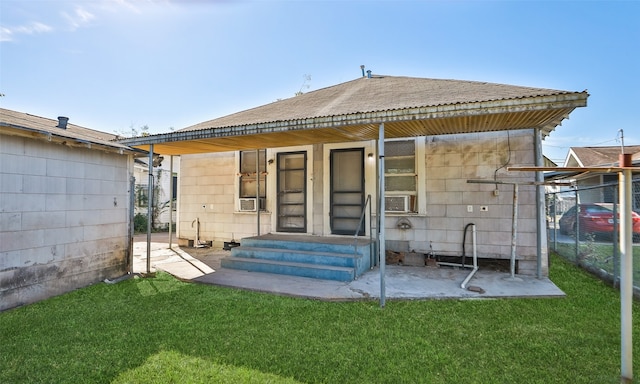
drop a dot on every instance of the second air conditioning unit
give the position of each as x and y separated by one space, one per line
398 203
249 204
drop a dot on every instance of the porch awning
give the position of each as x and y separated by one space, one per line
352 111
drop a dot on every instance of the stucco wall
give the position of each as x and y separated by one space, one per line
63 218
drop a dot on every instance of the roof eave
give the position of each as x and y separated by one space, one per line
568 101
33 133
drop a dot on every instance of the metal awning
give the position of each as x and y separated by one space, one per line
354 110
404 123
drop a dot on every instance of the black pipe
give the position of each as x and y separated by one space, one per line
464 240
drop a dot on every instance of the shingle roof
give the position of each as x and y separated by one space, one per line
378 93
355 111
595 156
44 127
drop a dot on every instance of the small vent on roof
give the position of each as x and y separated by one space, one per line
368 73
62 122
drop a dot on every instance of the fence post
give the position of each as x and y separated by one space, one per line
614 240
555 224
577 234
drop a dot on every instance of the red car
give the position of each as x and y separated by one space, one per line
596 219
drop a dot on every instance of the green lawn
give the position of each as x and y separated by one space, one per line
599 255
160 330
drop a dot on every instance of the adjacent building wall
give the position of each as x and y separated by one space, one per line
64 216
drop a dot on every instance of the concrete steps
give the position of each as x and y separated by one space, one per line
329 258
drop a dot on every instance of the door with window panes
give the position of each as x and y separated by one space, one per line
292 192
346 191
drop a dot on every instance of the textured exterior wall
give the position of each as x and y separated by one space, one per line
451 160
64 216
206 193
208 185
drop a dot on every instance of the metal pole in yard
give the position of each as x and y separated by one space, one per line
540 198
626 275
615 240
514 232
258 190
132 207
382 247
170 200
149 208
555 222
577 226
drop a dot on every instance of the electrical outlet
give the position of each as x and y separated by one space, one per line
469 208
484 208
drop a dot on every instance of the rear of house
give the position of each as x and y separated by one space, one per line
307 166
321 189
64 207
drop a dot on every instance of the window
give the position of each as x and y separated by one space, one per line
400 175
248 176
142 195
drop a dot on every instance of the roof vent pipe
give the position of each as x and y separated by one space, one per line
62 122
362 67
368 74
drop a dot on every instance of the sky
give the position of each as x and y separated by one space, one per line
119 65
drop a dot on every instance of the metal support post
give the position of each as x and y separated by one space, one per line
381 239
150 203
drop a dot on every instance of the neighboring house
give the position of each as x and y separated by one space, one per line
601 157
316 159
165 186
64 207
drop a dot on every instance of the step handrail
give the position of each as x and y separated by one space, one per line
367 202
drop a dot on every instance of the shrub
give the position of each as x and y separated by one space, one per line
139 223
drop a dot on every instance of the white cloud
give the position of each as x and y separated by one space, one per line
80 18
7 33
125 4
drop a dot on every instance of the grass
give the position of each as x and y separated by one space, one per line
165 331
599 255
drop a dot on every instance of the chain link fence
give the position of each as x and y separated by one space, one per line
582 226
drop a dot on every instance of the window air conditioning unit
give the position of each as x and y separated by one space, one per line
249 204
397 203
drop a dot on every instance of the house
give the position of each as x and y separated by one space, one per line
601 187
165 186
304 168
65 208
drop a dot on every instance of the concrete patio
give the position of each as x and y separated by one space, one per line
202 265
